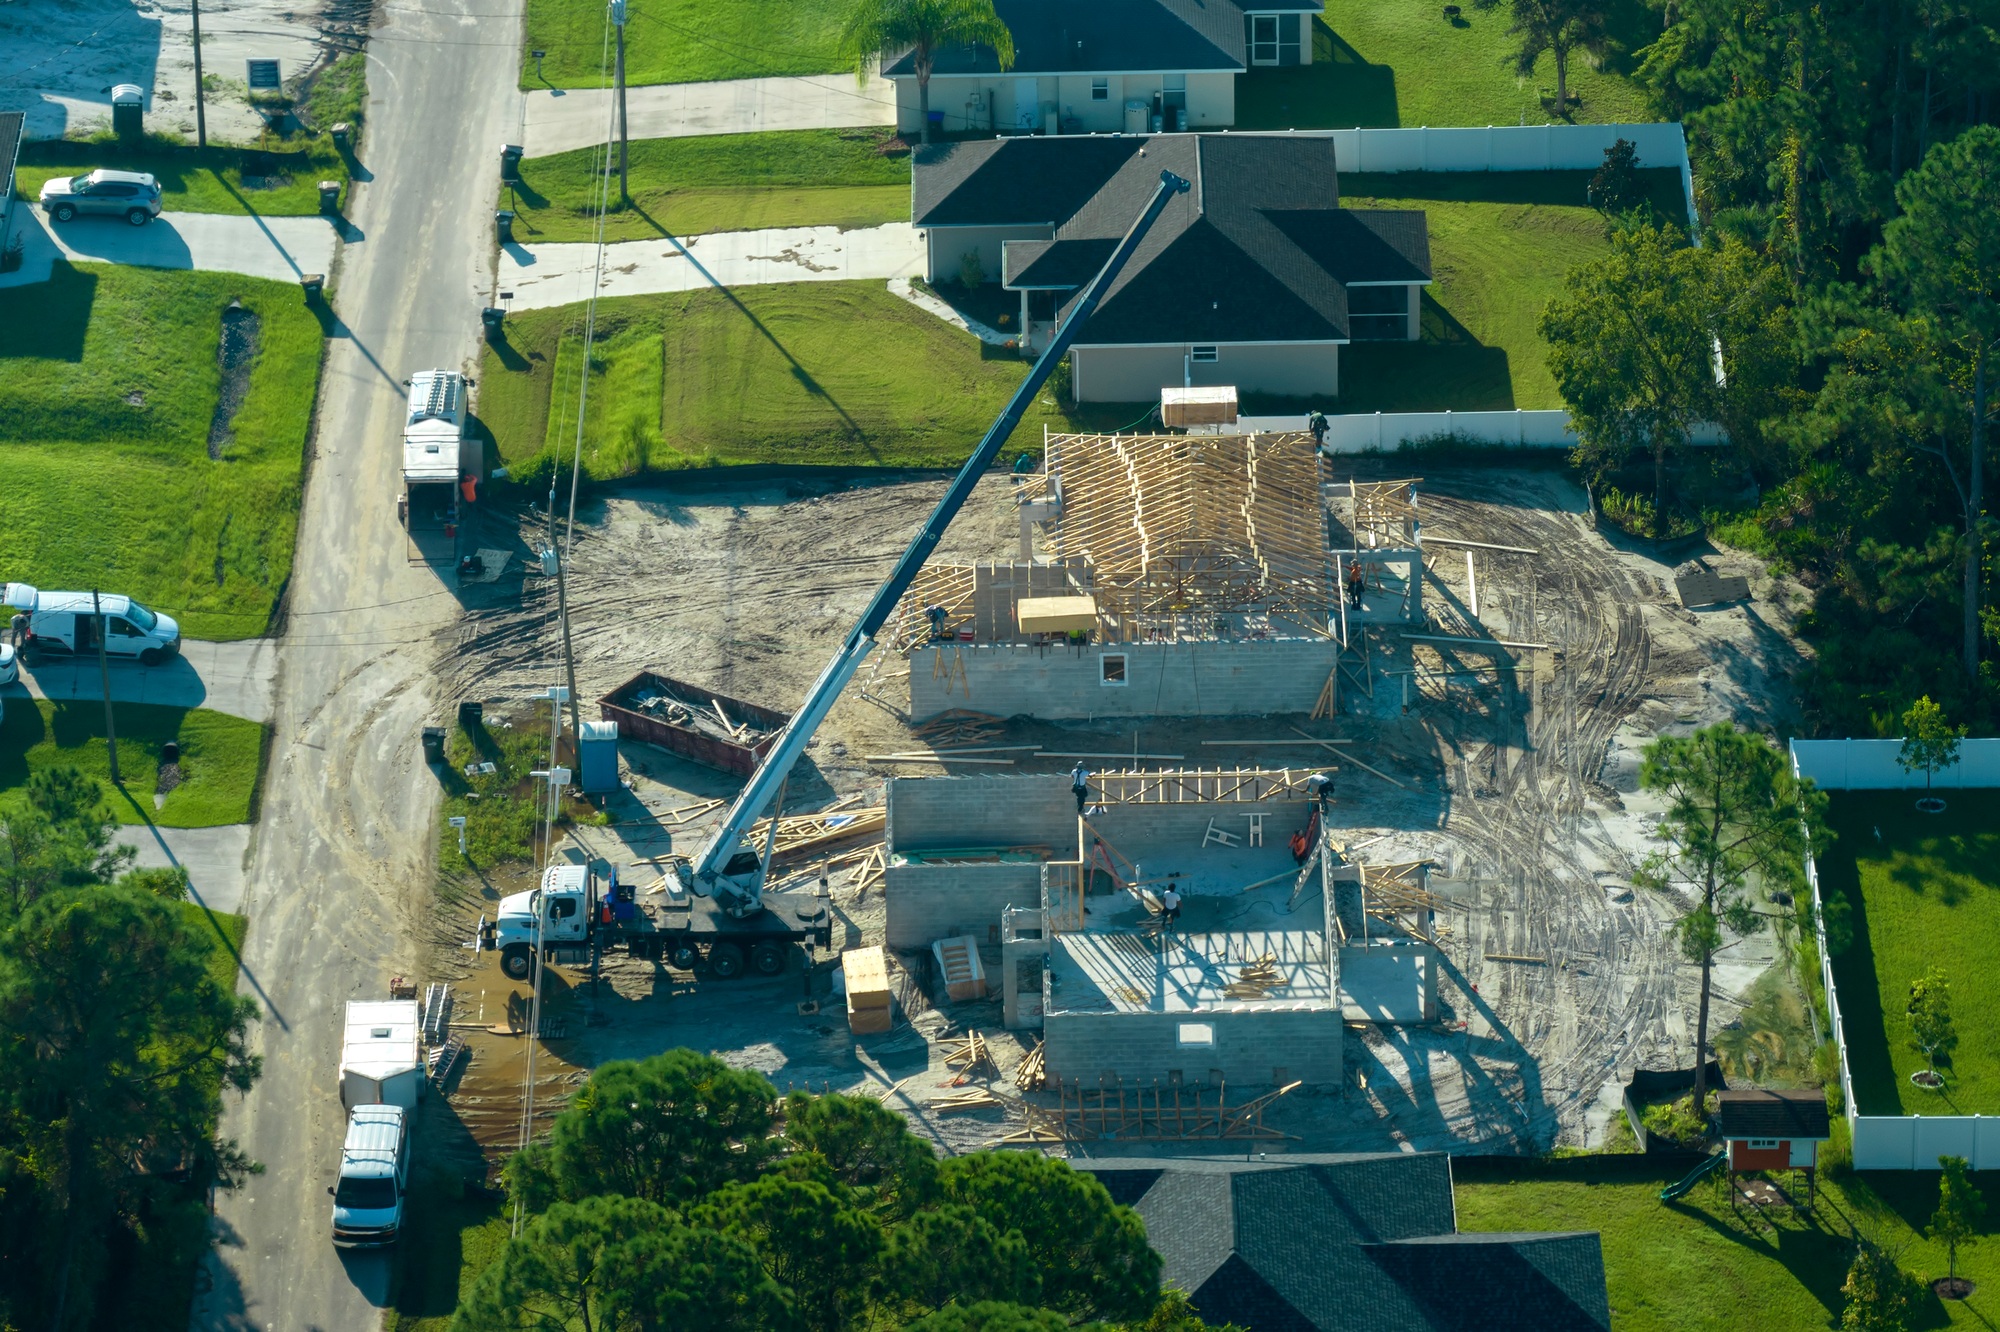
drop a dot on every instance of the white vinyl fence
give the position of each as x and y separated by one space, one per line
1369 432
1895 1142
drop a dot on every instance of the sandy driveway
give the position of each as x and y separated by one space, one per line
548 275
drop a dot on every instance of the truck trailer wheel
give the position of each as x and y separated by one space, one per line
684 957
768 958
725 961
518 962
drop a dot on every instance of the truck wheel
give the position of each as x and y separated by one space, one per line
725 961
684 957
768 958
152 657
518 962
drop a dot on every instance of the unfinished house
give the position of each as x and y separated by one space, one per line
1183 576
1249 989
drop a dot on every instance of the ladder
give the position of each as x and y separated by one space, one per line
437 1013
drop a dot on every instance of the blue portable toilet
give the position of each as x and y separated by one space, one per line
597 757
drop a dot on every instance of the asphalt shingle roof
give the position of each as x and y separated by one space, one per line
1772 1114
1111 37
1259 250
10 145
1358 1243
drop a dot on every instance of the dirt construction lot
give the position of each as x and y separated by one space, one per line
1560 977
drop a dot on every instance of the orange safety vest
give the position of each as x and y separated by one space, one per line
468 488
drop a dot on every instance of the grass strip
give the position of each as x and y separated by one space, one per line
722 182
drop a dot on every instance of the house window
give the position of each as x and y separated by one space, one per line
1197 1033
1764 1144
1100 90
1263 39
1203 355
1111 668
1288 39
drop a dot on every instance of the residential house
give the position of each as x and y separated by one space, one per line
1254 278
1109 65
1358 1243
11 123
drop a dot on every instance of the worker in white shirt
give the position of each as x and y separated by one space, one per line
1170 905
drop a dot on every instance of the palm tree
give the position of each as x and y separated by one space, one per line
878 28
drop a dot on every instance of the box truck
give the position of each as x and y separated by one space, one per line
382 1054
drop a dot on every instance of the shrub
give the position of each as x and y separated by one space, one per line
1677 1122
971 273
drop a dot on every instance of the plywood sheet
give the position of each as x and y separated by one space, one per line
1056 615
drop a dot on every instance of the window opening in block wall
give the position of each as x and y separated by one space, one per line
1203 354
1100 90
1197 1033
1111 668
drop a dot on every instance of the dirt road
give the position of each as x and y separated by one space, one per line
342 862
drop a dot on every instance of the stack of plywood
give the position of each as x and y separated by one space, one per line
958 962
870 1003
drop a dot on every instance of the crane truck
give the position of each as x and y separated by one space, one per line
716 913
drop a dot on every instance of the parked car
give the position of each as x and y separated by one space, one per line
374 1174
10 664
132 195
66 622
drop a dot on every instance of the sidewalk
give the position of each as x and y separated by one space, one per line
541 276
282 248
212 857
564 119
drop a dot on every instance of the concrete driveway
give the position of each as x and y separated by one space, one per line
566 118
265 247
236 678
546 275
215 859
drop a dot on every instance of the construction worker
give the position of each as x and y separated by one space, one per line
1317 424
1354 583
937 616
1079 785
1170 905
1319 788
19 624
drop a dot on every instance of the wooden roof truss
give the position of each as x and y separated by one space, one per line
1172 524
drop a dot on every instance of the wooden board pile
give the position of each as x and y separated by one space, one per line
1256 979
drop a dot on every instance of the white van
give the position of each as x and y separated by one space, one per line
66 622
374 1175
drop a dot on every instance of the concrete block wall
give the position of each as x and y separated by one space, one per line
1218 678
1177 828
1252 1049
949 813
924 903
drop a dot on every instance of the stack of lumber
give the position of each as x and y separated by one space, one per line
1032 1075
969 1055
969 1098
960 726
870 1001
1257 979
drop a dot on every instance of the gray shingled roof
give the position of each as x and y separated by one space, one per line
1359 1243
1258 251
1798 1115
1112 36
10 146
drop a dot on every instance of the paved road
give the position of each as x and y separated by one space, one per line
564 119
237 678
268 247
343 860
545 275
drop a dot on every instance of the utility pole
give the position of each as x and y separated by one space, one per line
200 141
618 22
569 656
104 675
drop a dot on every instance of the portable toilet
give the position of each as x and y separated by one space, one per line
597 757
128 110
1136 115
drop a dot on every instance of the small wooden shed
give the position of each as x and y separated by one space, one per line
1773 1130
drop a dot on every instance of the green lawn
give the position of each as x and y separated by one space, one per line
721 182
1500 245
683 41
219 757
1927 896
448 1241
283 183
226 931
821 372
109 383
1389 63
1699 1264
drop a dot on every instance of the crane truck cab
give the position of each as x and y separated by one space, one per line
577 911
